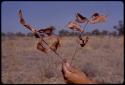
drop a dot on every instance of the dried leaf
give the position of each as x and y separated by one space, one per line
75 26
97 18
80 18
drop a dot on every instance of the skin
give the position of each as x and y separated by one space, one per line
74 76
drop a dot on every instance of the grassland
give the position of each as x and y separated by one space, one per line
102 59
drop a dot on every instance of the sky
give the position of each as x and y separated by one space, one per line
41 14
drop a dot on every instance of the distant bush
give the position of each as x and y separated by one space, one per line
119 28
95 32
64 33
20 34
29 34
104 32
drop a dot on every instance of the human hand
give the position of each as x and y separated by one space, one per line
74 76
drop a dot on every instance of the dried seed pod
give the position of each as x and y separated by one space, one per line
36 34
55 45
49 30
75 26
80 18
95 15
23 22
83 42
97 18
41 47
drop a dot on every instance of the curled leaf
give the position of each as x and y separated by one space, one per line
97 18
80 18
75 26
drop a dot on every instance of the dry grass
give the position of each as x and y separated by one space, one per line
101 59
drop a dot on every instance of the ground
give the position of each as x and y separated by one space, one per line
102 59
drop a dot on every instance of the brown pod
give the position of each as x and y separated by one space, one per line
41 47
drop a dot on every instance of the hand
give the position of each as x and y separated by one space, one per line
74 76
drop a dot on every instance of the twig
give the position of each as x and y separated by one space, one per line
77 49
73 57
84 27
